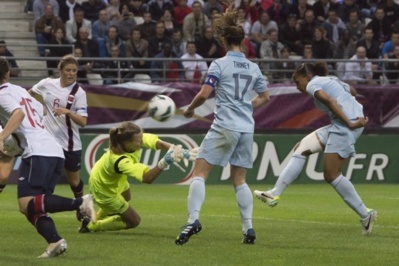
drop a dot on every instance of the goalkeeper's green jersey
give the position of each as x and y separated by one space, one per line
112 170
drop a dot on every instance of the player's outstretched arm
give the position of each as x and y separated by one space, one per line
260 99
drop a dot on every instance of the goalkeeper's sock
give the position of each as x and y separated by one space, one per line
111 223
196 197
245 204
347 191
289 174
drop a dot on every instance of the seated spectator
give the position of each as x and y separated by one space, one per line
278 11
63 48
252 9
368 41
392 67
346 49
207 46
359 72
380 25
195 71
156 42
137 8
44 28
270 50
334 26
84 68
166 71
285 68
248 49
99 31
72 26
194 23
112 39
243 22
66 9
157 7
89 47
345 7
147 28
260 29
92 9
39 7
290 35
355 26
391 10
115 69
308 26
180 12
321 45
210 5
389 46
299 9
137 48
126 23
178 44
112 11
307 52
372 50
14 69
321 8
167 20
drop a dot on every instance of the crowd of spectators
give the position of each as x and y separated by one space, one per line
277 31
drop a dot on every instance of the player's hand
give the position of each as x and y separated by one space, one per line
191 154
174 154
361 122
188 113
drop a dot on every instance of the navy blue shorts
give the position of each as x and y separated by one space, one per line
39 175
73 160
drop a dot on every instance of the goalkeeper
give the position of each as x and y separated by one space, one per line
108 179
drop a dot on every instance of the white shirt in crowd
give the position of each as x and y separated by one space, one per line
190 66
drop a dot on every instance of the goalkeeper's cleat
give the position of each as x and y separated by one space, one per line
367 223
87 208
84 229
55 249
187 231
267 197
249 237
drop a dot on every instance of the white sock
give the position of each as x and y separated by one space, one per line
289 174
245 204
196 197
347 191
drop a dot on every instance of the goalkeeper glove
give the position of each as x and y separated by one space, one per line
191 154
174 154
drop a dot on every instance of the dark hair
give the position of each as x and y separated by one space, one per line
225 27
119 135
4 68
315 69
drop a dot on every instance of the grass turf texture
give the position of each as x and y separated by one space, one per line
310 226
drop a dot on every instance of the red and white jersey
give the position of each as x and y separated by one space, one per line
55 96
32 136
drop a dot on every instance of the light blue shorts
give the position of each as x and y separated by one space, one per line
221 146
339 139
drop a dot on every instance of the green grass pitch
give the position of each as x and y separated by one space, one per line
310 226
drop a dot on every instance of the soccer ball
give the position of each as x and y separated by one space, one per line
161 108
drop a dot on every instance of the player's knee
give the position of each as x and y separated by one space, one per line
133 224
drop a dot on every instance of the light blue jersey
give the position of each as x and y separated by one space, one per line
234 79
338 91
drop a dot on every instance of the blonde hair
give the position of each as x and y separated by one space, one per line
121 134
66 60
